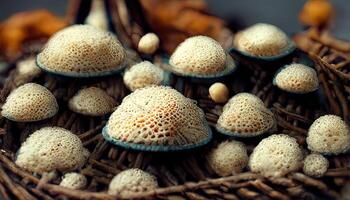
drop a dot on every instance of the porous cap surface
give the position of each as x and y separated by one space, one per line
261 40
74 181
228 157
143 74
245 115
297 78
82 49
158 115
51 148
329 134
92 101
199 55
276 155
132 181
30 102
315 165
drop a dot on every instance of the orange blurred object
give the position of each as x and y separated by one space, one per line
316 13
25 26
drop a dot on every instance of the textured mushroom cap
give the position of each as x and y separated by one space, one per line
219 92
30 102
74 181
245 115
132 181
82 49
261 40
143 74
148 43
161 117
276 155
228 157
51 148
199 55
92 101
315 165
329 134
297 78
27 67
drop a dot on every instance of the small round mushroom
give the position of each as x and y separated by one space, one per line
92 101
148 43
157 118
51 148
245 115
261 40
219 92
228 157
315 165
30 102
28 68
329 134
297 78
130 182
73 181
276 155
143 74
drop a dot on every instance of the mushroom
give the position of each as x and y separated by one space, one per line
92 101
296 78
28 68
143 74
245 115
157 118
228 157
315 165
329 134
73 181
148 43
131 181
276 155
51 148
30 102
82 51
97 16
219 92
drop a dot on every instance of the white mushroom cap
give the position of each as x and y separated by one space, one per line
27 67
228 157
30 102
130 182
245 115
199 55
74 181
276 155
315 165
82 49
297 78
261 40
51 148
148 43
329 134
158 115
219 92
92 101
143 74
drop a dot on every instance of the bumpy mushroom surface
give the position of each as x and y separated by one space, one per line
219 92
74 181
276 155
82 49
132 181
30 102
261 40
329 134
199 55
157 118
143 74
149 43
297 78
92 101
315 165
245 115
27 67
51 148
228 157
